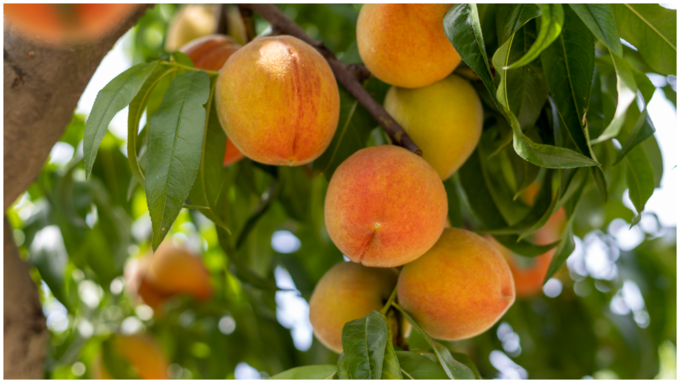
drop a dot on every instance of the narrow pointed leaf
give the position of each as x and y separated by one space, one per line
644 128
511 17
464 30
599 18
552 18
391 368
639 179
363 343
652 29
175 138
416 366
627 91
568 64
323 371
113 98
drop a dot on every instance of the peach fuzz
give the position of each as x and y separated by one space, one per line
348 291
385 206
210 53
278 101
459 288
141 352
444 119
405 44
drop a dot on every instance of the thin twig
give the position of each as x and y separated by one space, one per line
248 21
347 78
222 21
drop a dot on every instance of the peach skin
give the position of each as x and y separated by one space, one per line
444 119
385 206
142 353
348 291
459 288
278 101
405 44
173 270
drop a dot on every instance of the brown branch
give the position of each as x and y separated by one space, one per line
348 78
222 22
248 22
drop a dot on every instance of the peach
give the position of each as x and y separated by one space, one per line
65 23
385 206
190 22
348 291
459 288
405 44
142 353
444 119
210 53
278 101
529 278
173 270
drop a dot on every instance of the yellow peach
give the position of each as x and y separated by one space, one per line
444 119
142 353
348 291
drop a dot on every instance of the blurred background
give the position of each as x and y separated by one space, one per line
609 313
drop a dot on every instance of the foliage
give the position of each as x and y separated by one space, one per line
557 84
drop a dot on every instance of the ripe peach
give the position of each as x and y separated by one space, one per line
141 352
278 101
173 270
444 119
385 206
210 53
65 23
459 288
405 44
348 291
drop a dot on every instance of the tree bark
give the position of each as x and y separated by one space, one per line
24 324
42 86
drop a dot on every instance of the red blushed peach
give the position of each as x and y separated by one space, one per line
385 206
278 101
459 288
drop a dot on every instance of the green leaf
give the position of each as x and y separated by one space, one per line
564 250
568 64
115 96
526 86
595 115
627 91
208 187
524 247
51 260
137 107
539 154
343 368
552 18
653 152
511 17
416 366
466 360
652 29
639 179
175 138
599 18
644 128
453 368
354 128
463 29
364 341
322 371
670 94
390 368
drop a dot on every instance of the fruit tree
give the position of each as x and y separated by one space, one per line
339 191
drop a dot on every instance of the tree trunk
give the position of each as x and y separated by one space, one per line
42 87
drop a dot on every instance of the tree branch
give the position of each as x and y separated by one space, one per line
248 22
347 75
